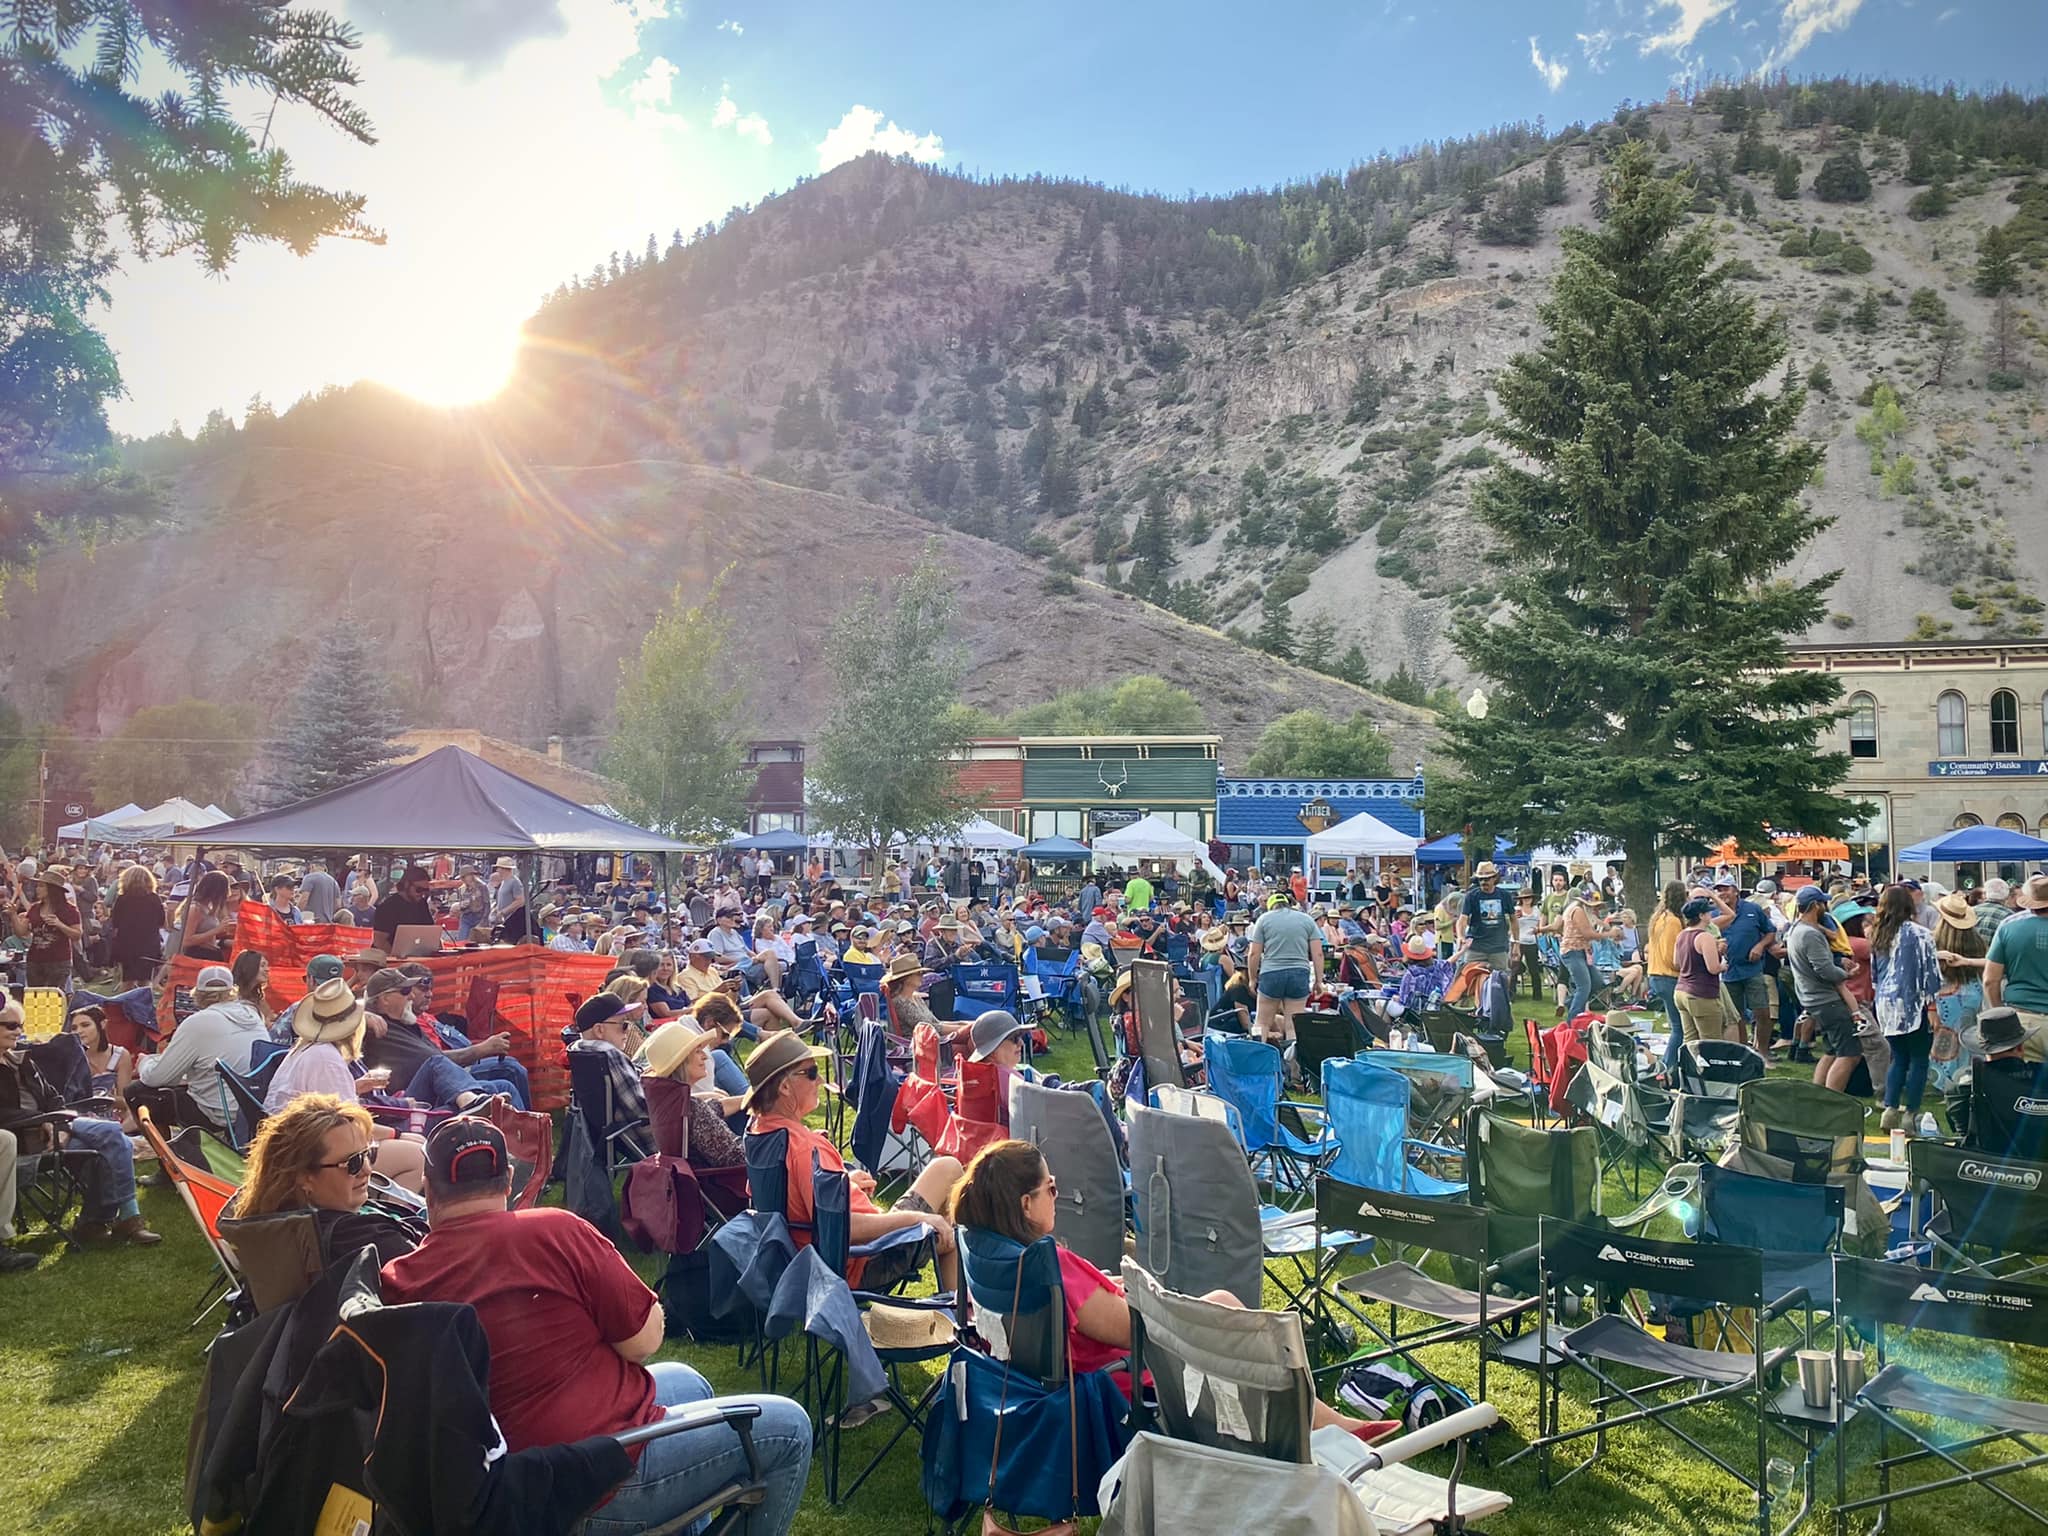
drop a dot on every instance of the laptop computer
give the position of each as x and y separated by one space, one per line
411 940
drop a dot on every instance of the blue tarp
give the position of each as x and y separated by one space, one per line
1451 850
772 842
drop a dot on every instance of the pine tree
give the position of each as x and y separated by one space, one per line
1091 409
1842 178
1152 544
1866 315
339 726
1275 634
1317 643
1353 668
1639 691
1785 181
1996 270
1554 191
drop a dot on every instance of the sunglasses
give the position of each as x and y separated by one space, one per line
355 1162
811 1072
1051 1187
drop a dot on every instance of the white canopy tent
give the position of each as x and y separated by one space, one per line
1588 851
158 824
80 831
1363 836
1154 837
982 833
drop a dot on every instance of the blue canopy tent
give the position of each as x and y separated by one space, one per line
1053 850
1450 849
779 841
1976 845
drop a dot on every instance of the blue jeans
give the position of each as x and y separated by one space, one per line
441 1081
1581 974
677 1472
503 1073
114 1187
1905 1084
1664 990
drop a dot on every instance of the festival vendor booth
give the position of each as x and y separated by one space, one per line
131 825
80 831
455 800
1790 855
1054 865
1976 847
1337 853
1154 840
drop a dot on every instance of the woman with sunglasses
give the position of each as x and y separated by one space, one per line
317 1155
1009 1189
326 1063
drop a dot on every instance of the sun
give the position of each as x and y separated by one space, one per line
450 359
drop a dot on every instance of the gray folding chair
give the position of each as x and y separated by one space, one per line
1158 1033
1195 1206
1068 1128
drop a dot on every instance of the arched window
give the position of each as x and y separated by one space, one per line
1862 725
1951 725
1967 820
2005 723
2013 821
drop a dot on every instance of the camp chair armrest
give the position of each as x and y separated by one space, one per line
1520 1259
1797 1297
1454 1426
695 1416
57 1118
1431 1146
941 1301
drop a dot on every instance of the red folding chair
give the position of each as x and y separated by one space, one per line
206 1194
530 1139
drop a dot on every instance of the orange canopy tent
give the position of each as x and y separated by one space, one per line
1785 847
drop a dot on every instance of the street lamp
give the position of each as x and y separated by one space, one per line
1476 705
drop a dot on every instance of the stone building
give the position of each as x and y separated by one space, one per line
1940 735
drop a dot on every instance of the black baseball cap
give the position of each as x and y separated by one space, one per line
467 1150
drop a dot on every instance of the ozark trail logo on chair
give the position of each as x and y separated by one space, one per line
1927 1292
1972 1297
1614 1255
2002 1175
1317 814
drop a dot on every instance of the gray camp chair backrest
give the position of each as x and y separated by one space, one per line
1197 1209
1166 1487
1070 1133
1158 1034
1232 1377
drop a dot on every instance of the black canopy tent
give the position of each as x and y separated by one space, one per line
448 799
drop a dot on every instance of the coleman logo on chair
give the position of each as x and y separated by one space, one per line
1614 1255
2003 1175
2031 1106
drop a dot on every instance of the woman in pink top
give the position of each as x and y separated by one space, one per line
1576 942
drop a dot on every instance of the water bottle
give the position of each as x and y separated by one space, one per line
1928 1129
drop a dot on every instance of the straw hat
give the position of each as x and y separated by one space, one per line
901 967
329 1014
670 1047
1120 987
1957 909
1215 938
780 1051
1486 870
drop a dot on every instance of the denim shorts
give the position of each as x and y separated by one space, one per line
1284 983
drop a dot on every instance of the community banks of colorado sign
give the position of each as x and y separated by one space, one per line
1989 768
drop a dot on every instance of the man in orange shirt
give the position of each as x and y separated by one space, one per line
783 1086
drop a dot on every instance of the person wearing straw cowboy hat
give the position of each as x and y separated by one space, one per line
328 1026
678 1050
1483 918
783 1086
508 902
51 923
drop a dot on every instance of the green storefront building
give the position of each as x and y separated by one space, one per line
1084 786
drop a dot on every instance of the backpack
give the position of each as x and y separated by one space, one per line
1375 1390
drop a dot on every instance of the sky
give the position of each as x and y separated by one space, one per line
521 141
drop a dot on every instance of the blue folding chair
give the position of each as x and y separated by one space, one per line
860 981
979 985
1367 1106
1277 1133
807 980
1796 1227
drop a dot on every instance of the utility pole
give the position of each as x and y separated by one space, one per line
42 793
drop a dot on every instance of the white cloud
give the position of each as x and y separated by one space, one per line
749 125
1693 15
486 202
1949 15
1553 71
862 129
656 85
1801 22
1596 46
733 27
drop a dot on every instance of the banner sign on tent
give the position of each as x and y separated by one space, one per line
533 986
1988 768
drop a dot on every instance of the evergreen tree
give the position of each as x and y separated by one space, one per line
1091 409
1353 668
341 723
1934 203
1639 691
1842 178
678 749
1316 645
1785 180
1152 557
1367 391
1191 602
1997 272
1751 153
1554 190
884 761
1404 687
1866 315
1514 217
1275 634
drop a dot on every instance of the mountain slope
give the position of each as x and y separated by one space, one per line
504 601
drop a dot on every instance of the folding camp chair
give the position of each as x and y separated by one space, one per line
1442 1088
1796 1227
1158 1033
1518 1175
242 1093
1400 1222
278 1255
1977 1214
1368 1109
1879 1296
1320 1035
1237 1379
1194 1205
1711 1075
2009 1114
617 1141
1072 1130
206 1195
1540 1067
1787 1129
1631 1115
979 985
1608 1265
1289 1141
809 986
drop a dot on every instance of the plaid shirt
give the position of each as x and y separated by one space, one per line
629 1099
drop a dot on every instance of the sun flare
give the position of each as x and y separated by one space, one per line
451 360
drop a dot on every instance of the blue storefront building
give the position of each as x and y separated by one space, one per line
1266 821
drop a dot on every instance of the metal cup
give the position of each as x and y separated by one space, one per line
1854 1373
1817 1377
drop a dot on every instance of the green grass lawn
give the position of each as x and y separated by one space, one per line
98 1370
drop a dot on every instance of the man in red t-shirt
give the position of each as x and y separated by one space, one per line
570 1328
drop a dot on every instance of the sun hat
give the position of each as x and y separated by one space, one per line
2033 895
467 1150
329 1014
1120 987
669 1047
1214 939
213 979
1998 1029
1955 906
780 1051
506 863
991 1030
901 967
1486 870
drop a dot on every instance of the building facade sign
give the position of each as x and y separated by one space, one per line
1988 768
1317 814
1101 821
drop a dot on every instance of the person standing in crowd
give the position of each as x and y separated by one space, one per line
1698 953
2016 968
1285 960
1959 948
1527 922
318 890
138 926
205 924
509 921
51 923
1483 919
1905 977
284 891
1746 936
1660 954
1576 931
1993 909
570 1329
1819 982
